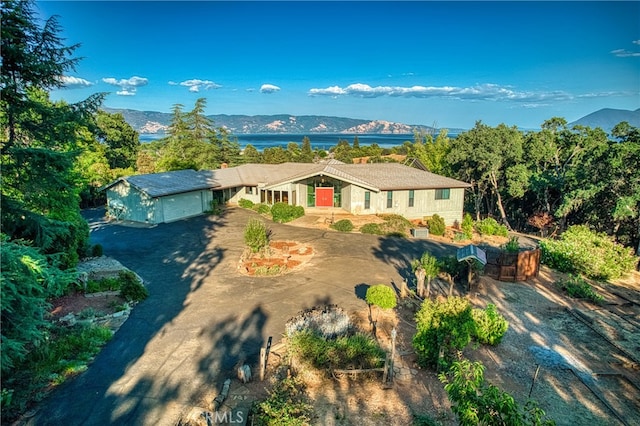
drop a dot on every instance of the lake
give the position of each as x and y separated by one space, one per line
318 140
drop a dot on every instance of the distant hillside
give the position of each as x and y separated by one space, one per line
152 122
607 118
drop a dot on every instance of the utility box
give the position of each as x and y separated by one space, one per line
420 232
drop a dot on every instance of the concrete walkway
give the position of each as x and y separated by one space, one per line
202 317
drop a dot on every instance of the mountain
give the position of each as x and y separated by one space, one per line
607 118
153 122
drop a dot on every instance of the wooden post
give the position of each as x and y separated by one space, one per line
394 333
263 362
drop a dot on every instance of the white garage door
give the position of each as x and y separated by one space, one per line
180 206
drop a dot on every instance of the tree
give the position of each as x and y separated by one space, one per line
484 156
381 296
306 153
122 141
40 139
251 154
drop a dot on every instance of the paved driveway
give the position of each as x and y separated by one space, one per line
202 317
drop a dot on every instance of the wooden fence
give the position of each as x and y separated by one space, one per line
521 266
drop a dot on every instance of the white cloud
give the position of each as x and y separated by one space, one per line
74 82
128 86
624 53
269 88
195 85
487 91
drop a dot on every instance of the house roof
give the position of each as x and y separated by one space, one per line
376 177
168 183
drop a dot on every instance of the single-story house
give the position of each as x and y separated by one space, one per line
378 188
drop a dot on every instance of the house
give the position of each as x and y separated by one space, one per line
359 189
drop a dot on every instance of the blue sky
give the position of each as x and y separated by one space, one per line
421 62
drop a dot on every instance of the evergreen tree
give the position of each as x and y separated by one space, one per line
40 139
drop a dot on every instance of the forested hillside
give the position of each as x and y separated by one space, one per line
56 156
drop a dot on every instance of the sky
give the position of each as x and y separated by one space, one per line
446 64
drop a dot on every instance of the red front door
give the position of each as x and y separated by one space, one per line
324 197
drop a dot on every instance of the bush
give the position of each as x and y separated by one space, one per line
283 212
583 251
451 266
371 228
131 288
578 288
105 284
476 402
489 325
467 226
97 250
245 204
436 225
344 225
443 327
262 208
395 224
381 296
355 351
286 405
489 226
512 246
256 235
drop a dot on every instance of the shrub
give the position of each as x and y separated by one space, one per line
395 224
355 351
489 226
581 250
131 288
105 284
344 225
436 225
97 250
283 212
286 405
381 296
489 325
467 226
443 327
451 266
371 228
256 235
512 246
245 204
474 401
578 288
262 208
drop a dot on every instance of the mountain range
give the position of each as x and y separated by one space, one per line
153 122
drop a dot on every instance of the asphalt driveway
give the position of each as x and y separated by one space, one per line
202 316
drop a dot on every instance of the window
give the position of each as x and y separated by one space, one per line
389 199
248 190
367 200
442 194
411 197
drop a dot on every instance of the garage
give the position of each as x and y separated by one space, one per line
180 206
160 197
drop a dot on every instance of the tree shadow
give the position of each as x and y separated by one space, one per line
361 291
175 260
